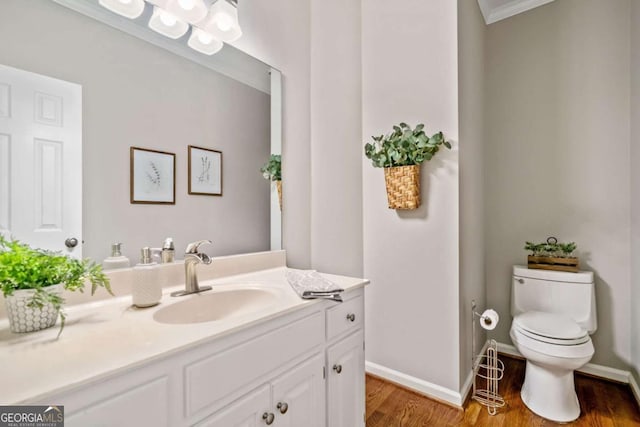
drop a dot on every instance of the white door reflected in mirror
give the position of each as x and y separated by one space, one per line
41 160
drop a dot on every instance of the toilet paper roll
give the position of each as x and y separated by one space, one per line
489 319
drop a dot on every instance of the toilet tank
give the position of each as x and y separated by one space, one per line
559 292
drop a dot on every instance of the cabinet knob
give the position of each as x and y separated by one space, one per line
268 418
282 407
351 317
337 368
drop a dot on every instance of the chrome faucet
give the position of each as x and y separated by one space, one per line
192 258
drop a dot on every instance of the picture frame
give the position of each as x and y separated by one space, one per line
204 171
152 176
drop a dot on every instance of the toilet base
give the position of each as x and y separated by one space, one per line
550 393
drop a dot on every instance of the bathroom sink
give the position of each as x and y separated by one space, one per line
217 305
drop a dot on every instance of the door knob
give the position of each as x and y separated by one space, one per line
282 407
337 368
268 418
71 242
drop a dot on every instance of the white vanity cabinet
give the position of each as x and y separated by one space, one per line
346 383
345 363
303 368
294 399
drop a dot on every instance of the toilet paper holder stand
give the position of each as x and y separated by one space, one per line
487 367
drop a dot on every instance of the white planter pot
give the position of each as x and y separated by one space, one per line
23 318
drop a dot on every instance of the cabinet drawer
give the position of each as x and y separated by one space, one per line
214 377
344 317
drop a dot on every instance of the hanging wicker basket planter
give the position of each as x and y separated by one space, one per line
407 147
279 188
403 187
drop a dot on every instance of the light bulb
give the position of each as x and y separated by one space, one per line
224 22
186 4
126 1
167 19
205 38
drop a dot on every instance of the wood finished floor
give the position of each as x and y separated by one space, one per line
603 404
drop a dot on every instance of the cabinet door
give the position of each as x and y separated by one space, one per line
345 387
247 411
299 395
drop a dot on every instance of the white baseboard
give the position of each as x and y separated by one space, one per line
413 383
590 368
635 387
425 387
458 398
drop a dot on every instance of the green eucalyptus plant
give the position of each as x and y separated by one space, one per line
22 267
551 249
272 170
404 147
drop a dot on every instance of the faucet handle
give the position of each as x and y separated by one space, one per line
192 248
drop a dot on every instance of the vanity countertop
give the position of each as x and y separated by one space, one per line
104 337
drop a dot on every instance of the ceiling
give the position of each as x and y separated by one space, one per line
496 10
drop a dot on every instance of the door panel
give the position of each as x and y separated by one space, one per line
244 412
300 395
345 388
40 160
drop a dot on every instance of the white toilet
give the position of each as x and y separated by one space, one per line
553 315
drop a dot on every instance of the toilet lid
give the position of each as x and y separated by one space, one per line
549 325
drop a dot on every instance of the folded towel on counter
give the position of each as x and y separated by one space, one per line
309 284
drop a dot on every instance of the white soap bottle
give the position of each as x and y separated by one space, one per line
146 290
116 260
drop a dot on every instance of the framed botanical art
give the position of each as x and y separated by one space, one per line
205 171
152 176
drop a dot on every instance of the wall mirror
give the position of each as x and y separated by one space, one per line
136 88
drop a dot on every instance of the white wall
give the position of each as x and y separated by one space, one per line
136 94
471 57
409 73
316 45
557 163
336 137
635 188
277 32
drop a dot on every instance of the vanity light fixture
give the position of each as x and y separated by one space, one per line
167 24
191 11
127 8
222 21
210 27
204 42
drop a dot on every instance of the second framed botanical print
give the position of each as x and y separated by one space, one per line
205 171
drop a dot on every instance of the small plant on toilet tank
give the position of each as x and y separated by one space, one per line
401 153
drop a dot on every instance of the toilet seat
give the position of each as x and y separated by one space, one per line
550 328
551 334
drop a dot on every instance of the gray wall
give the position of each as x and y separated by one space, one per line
635 188
409 73
137 94
471 58
278 33
316 45
557 144
336 137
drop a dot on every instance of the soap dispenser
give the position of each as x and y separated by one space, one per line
116 260
146 290
168 250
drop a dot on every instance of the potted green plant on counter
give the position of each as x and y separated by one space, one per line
32 282
272 171
401 153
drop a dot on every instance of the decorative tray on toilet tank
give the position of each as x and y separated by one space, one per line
552 255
